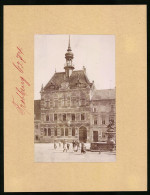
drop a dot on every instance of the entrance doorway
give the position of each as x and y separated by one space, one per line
82 134
95 136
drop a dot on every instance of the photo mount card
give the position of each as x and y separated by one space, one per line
23 171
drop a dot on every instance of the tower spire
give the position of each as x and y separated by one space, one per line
69 57
69 48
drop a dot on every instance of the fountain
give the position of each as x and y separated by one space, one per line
111 136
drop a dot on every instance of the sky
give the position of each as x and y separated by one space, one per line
95 52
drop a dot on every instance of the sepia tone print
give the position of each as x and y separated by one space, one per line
73 120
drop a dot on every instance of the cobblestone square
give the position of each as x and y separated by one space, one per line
45 152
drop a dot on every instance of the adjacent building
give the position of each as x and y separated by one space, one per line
71 108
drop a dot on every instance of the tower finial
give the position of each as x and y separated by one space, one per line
69 41
69 57
69 48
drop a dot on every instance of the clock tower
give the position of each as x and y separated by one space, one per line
69 57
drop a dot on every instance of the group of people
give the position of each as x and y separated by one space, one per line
76 146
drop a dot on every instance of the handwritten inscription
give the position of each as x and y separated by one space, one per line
19 101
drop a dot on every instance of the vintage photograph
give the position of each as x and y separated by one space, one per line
74 98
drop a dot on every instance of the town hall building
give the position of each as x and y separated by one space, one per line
71 108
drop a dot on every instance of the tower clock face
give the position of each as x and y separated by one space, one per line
64 85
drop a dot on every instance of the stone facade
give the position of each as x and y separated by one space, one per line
103 110
71 108
37 120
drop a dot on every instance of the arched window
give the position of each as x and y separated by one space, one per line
47 117
49 132
73 131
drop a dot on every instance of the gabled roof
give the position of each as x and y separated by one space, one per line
56 79
37 109
104 94
78 76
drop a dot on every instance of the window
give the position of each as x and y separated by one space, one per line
51 103
82 116
103 121
111 119
62 132
112 108
94 109
82 102
73 117
56 103
64 117
68 101
73 101
47 104
95 121
55 117
73 131
36 126
45 131
55 132
49 132
47 117
63 102
103 135
77 101
59 103
66 132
